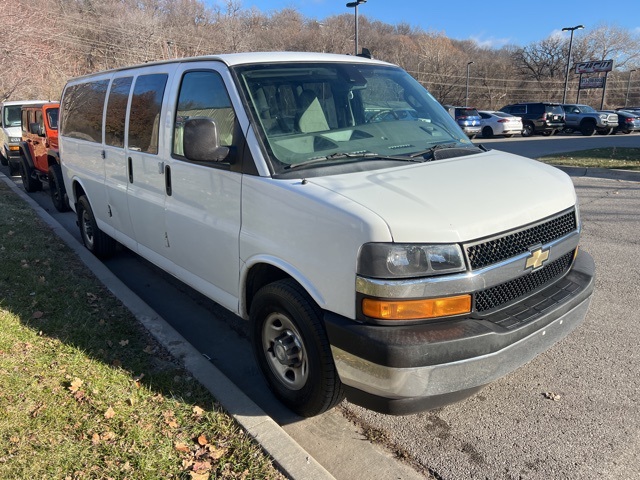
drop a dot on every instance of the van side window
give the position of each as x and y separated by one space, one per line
203 94
144 119
117 111
83 106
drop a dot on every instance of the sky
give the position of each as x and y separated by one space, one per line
513 23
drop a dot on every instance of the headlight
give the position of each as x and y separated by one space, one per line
395 260
604 116
14 139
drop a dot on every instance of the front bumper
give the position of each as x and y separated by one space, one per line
405 369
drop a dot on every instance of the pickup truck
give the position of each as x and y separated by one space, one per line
588 121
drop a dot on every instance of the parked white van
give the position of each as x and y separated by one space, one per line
11 132
332 202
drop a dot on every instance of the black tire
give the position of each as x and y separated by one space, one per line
588 129
508 135
96 241
13 169
56 188
487 132
548 133
29 182
606 131
528 130
3 160
291 347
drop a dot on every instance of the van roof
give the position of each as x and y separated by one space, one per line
24 102
248 58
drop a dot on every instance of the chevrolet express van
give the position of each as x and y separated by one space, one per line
332 202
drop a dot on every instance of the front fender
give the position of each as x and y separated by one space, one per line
26 153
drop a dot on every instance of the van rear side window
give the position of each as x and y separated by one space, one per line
83 105
144 118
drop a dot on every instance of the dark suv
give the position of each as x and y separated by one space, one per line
537 117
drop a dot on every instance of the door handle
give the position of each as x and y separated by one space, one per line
130 168
167 180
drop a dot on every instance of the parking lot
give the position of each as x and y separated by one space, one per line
571 413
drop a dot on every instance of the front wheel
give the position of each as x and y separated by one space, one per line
606 131
56 188
96 241
29 182
291 347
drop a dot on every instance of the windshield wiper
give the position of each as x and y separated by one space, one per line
429 153
340 156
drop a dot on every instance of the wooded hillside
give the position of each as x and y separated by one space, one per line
45 42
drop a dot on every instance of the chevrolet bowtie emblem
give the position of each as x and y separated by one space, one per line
537 258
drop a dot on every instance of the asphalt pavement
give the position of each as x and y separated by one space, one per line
509 430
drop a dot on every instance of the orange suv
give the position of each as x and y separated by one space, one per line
39 155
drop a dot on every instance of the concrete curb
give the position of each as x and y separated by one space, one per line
290 457
625 175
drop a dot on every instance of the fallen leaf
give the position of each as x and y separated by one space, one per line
110 413
552 396
37 314
75 385
181 447
202 440
197 411
124 342
201 467
199 476
95 438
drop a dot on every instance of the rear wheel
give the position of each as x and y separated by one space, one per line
29 182
527 129
96 241
291 347
487 132
56 188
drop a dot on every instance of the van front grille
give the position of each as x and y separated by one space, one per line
509 291
498 249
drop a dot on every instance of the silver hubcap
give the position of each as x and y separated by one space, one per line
285 351
87 229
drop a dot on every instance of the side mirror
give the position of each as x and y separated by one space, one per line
36 129
201 142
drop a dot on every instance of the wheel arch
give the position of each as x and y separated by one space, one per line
264 270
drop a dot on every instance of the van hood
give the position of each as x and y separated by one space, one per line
14 131
459 199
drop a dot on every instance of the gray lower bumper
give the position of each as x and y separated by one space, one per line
430 365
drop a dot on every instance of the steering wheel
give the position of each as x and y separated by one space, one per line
379 116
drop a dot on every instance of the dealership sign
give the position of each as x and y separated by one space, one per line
594 67
593 82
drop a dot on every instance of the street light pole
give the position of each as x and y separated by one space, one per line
626 99
566 73
354 5
466 98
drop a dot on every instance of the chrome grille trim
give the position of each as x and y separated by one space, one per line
496 249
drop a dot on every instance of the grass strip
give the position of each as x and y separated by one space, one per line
85 391
624 158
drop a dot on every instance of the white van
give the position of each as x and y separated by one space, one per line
11 132
332 202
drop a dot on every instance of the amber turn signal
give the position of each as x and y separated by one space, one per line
416 309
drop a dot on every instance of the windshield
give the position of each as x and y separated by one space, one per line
587 109
357 114
12 116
